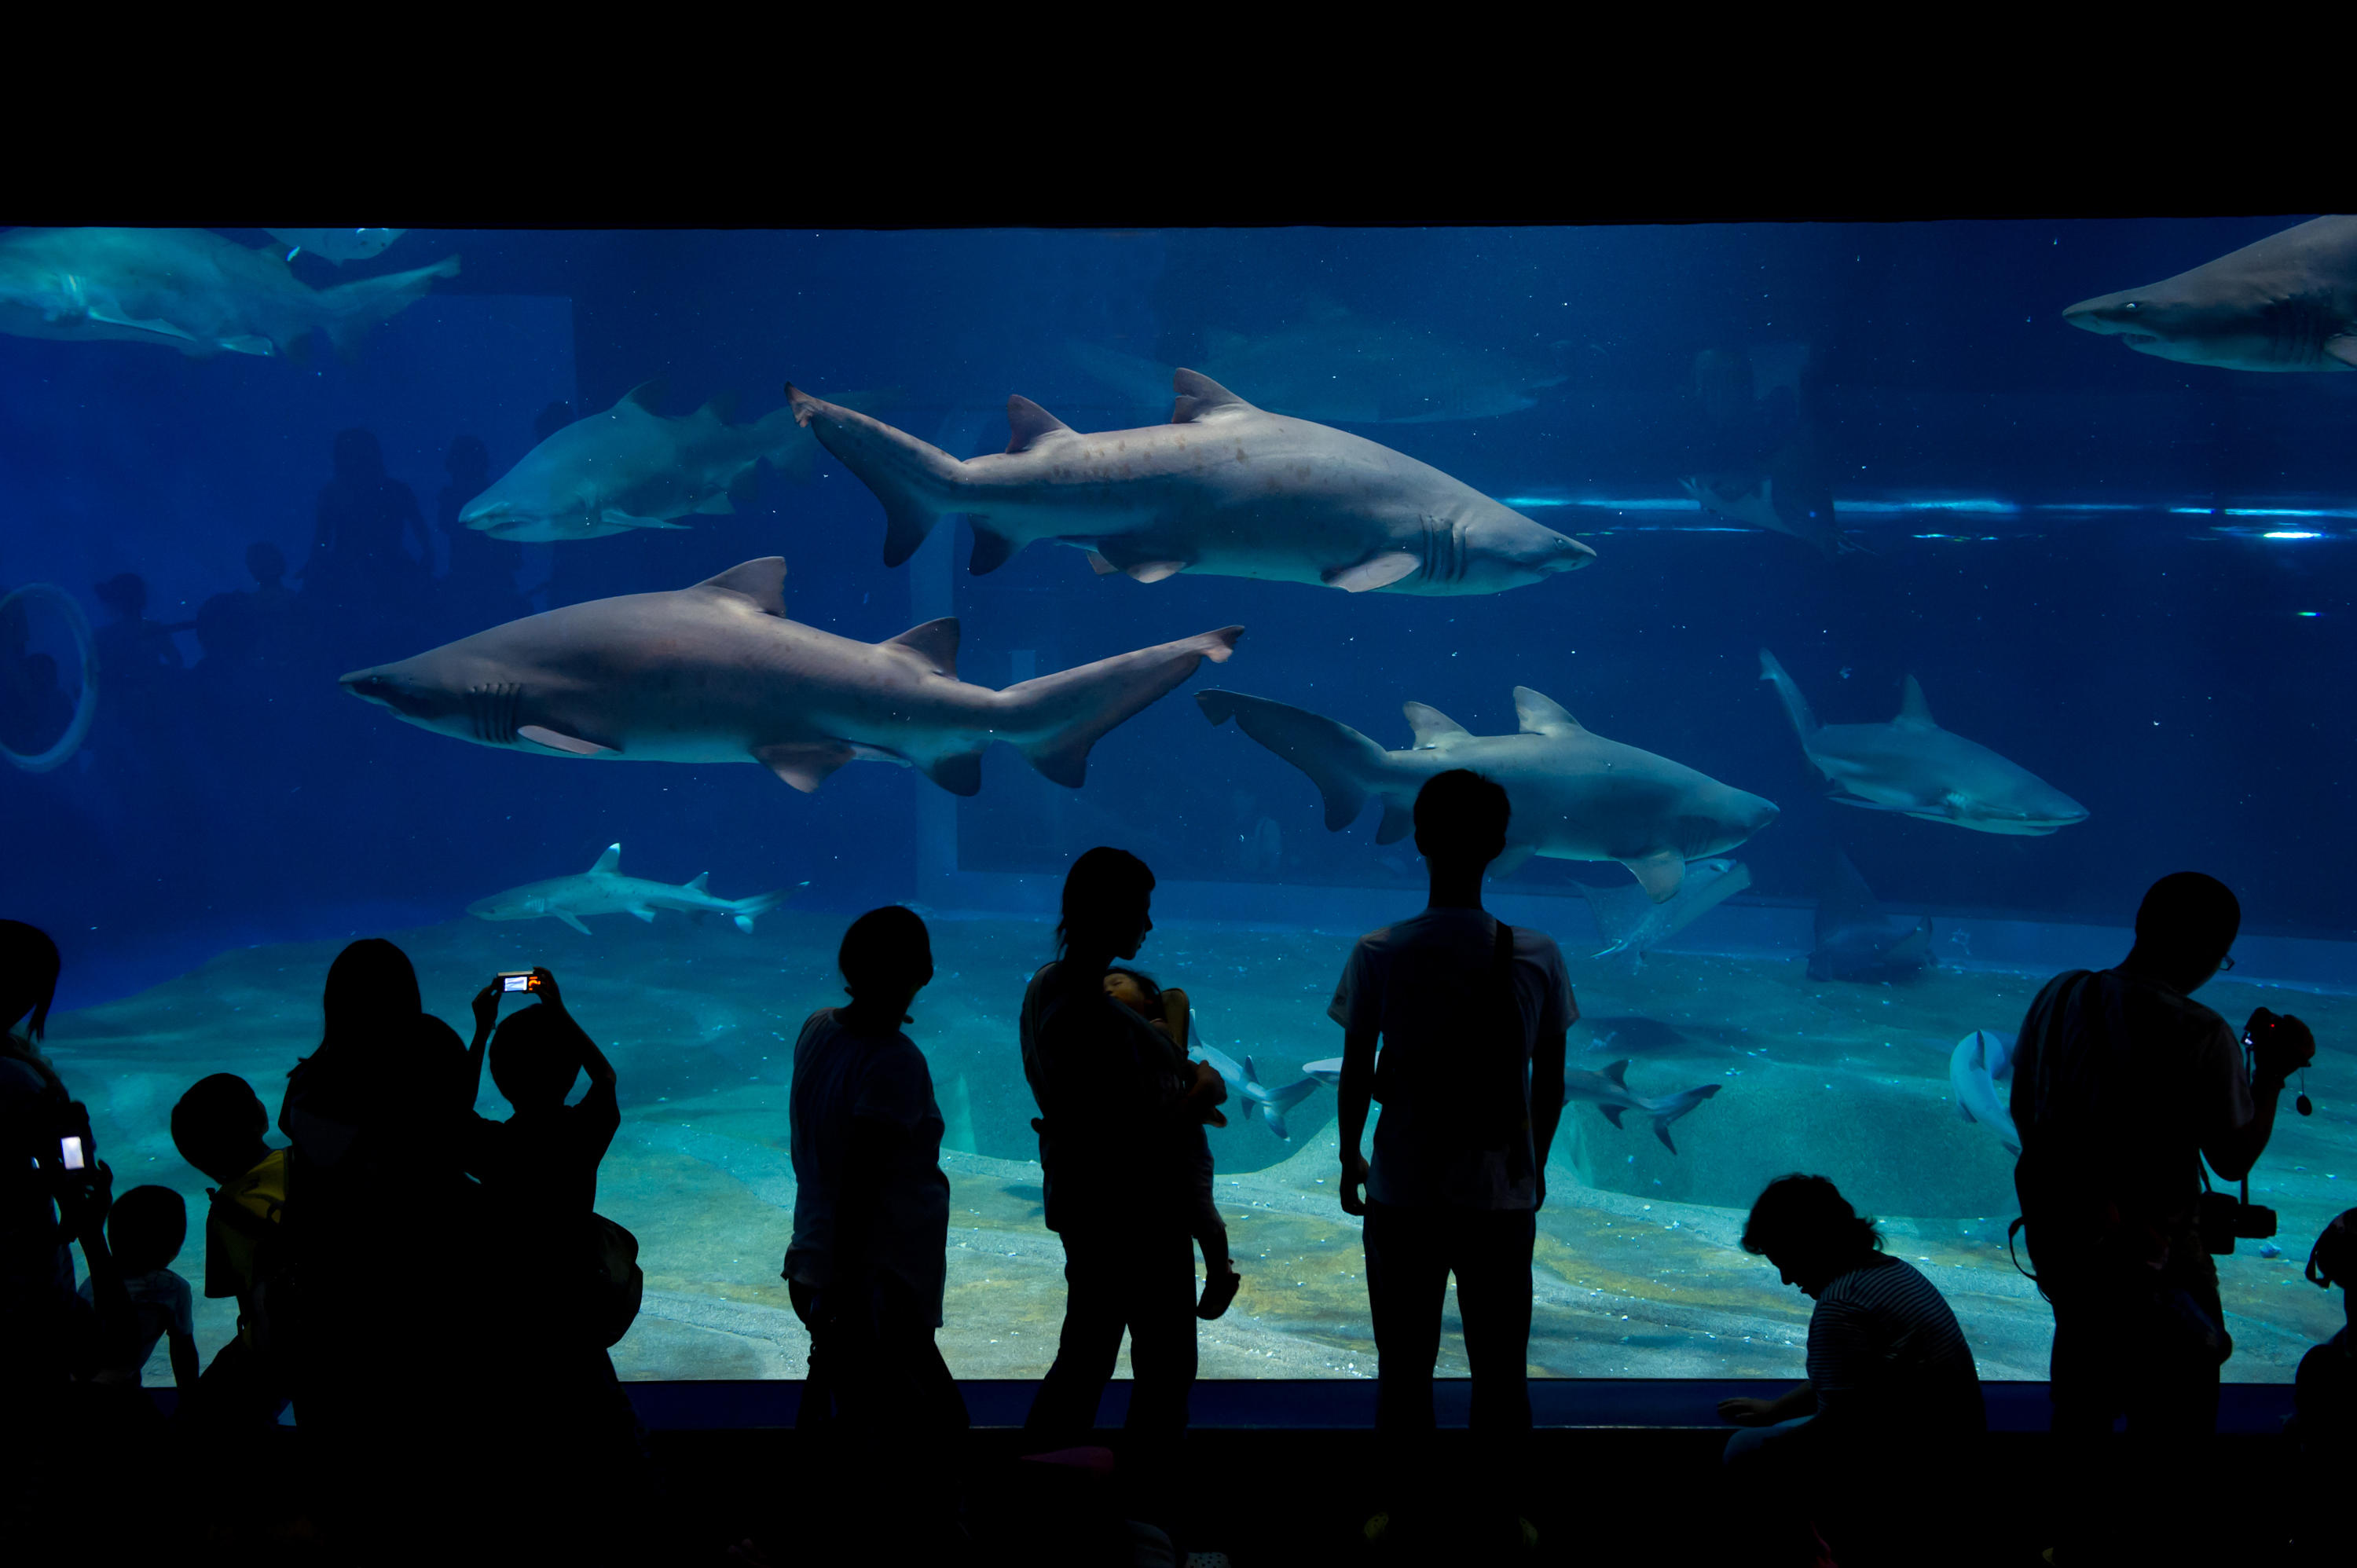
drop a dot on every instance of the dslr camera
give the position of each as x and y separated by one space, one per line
2225 1218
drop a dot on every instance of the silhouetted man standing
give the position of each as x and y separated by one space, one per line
1472 1015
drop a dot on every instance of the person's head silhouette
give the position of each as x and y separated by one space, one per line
218 1126
2184 929
887 957
265 562
1461 820
124 595
146 1229
1105 911
1806 1228
28 977
533 1058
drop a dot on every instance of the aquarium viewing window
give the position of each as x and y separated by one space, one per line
1719 493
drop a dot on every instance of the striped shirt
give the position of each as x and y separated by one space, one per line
1883 1346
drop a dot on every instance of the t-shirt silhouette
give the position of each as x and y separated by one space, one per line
1421 983
159 1301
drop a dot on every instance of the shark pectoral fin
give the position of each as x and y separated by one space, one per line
643 913
804 764
2343 347
1612 1112
572 919
1155 571
540 735
614 517
1376 572
1275 1119
1661 1131
717 506
1964 1110
1101 566
745 924
960 773
1514 860
249 344
1398 821
1660 874
112 317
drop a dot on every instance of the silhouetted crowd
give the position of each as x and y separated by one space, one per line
433 1293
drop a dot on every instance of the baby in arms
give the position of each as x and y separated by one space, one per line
1166 1011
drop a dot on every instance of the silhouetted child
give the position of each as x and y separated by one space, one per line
2326 1384
146 1232
540 1167
217 1127
1166 1011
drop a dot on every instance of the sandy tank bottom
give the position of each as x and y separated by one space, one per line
1638 1273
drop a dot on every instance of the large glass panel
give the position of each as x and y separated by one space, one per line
1866 453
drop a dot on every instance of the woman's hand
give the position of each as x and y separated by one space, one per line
487 1007
543 985
1354 1176
1744 1411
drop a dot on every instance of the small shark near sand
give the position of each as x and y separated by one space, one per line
718 673
2287 303
1224 489
1630 922
1855 940
1575 795
186 289
604 890
1608 1092
1243 1082
1980 1060
1911 766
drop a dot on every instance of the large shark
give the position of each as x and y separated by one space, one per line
1576 795
632 467
184 289
604 890
1608 1092
2287 303
1338 367
337 245
1630 922
718 673
1979 1059
1243 1080
1224 489
1855 940
1912 766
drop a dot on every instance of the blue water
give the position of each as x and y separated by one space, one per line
2130 576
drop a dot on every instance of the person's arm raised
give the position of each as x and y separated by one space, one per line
593 1061
2281 1050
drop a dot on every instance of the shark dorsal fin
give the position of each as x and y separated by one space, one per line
1914 713
1433 728
1029 425
1201 397
1617 1073
935 642
609 863
763 581
648 394
696 883
722 407
1542 715
1252 1073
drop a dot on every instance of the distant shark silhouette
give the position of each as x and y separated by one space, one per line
1608 1092
604 890
1979 1059
1855 940
2287 303
1243 1080
1630 922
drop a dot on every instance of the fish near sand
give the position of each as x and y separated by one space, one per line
2287 303
186 289
1575 795
718 673
1243 1079
1608 1092
1911 766
1855 940
1224 489
630 467
1630 922
1979 1059
337 245
604 890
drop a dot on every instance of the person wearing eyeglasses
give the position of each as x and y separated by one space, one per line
2123 1085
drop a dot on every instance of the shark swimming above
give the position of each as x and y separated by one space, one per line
1630 922
1338 368
1224 489
1979 1059
1911 766
1855 940
2287 303
604 890
1243 1082
1608 1092
1575 795
630 466
186 289
337 245
718 673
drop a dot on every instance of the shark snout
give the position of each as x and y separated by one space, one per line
387 690
2111 315
1568 555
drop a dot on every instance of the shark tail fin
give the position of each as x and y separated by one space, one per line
1292 1094
1342 763
918 483
1677 1106
1067 713
1796 706
742 911
349 309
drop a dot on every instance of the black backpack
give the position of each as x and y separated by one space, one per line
1486 1103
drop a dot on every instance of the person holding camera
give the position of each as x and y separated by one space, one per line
2123 1085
